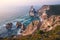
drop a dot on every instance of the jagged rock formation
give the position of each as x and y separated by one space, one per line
42 12
32 27
32 12
8 25
43 9
50 10
49 22
19 25
47 25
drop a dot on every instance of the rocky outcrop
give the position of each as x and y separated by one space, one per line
8 25
47 25
20 25
32 27
50 10
43 9
50 23
32 12
42 12
49 18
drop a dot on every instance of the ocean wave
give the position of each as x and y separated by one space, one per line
4 32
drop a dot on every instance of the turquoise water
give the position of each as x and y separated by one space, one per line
26 20
13 15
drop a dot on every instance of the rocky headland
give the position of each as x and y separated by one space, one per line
47 23
45 28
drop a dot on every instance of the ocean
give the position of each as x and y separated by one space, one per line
11 13
19 14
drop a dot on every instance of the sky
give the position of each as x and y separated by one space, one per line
27 2
9 8
9 5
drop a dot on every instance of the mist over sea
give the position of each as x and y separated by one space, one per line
12 13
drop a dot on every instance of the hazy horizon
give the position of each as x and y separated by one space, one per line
13 8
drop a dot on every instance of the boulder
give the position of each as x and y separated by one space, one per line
9 25
18 24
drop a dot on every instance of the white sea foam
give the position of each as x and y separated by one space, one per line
24 20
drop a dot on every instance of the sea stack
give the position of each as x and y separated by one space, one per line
32 12
9 25
20 25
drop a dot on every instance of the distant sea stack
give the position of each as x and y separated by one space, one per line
9 26
32 12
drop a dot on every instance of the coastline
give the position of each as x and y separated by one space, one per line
42 28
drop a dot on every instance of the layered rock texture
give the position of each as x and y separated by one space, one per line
49 19
32 27
47 28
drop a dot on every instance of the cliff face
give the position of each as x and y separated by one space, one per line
50 9
49 23
50 27
32 27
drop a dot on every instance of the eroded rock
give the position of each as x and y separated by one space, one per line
9 25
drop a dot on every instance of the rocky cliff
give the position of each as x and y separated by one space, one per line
32 27
50 9
48 24
49 29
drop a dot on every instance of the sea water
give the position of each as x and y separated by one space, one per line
22 17
26 20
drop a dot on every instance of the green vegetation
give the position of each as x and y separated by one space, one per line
54 10
39 35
